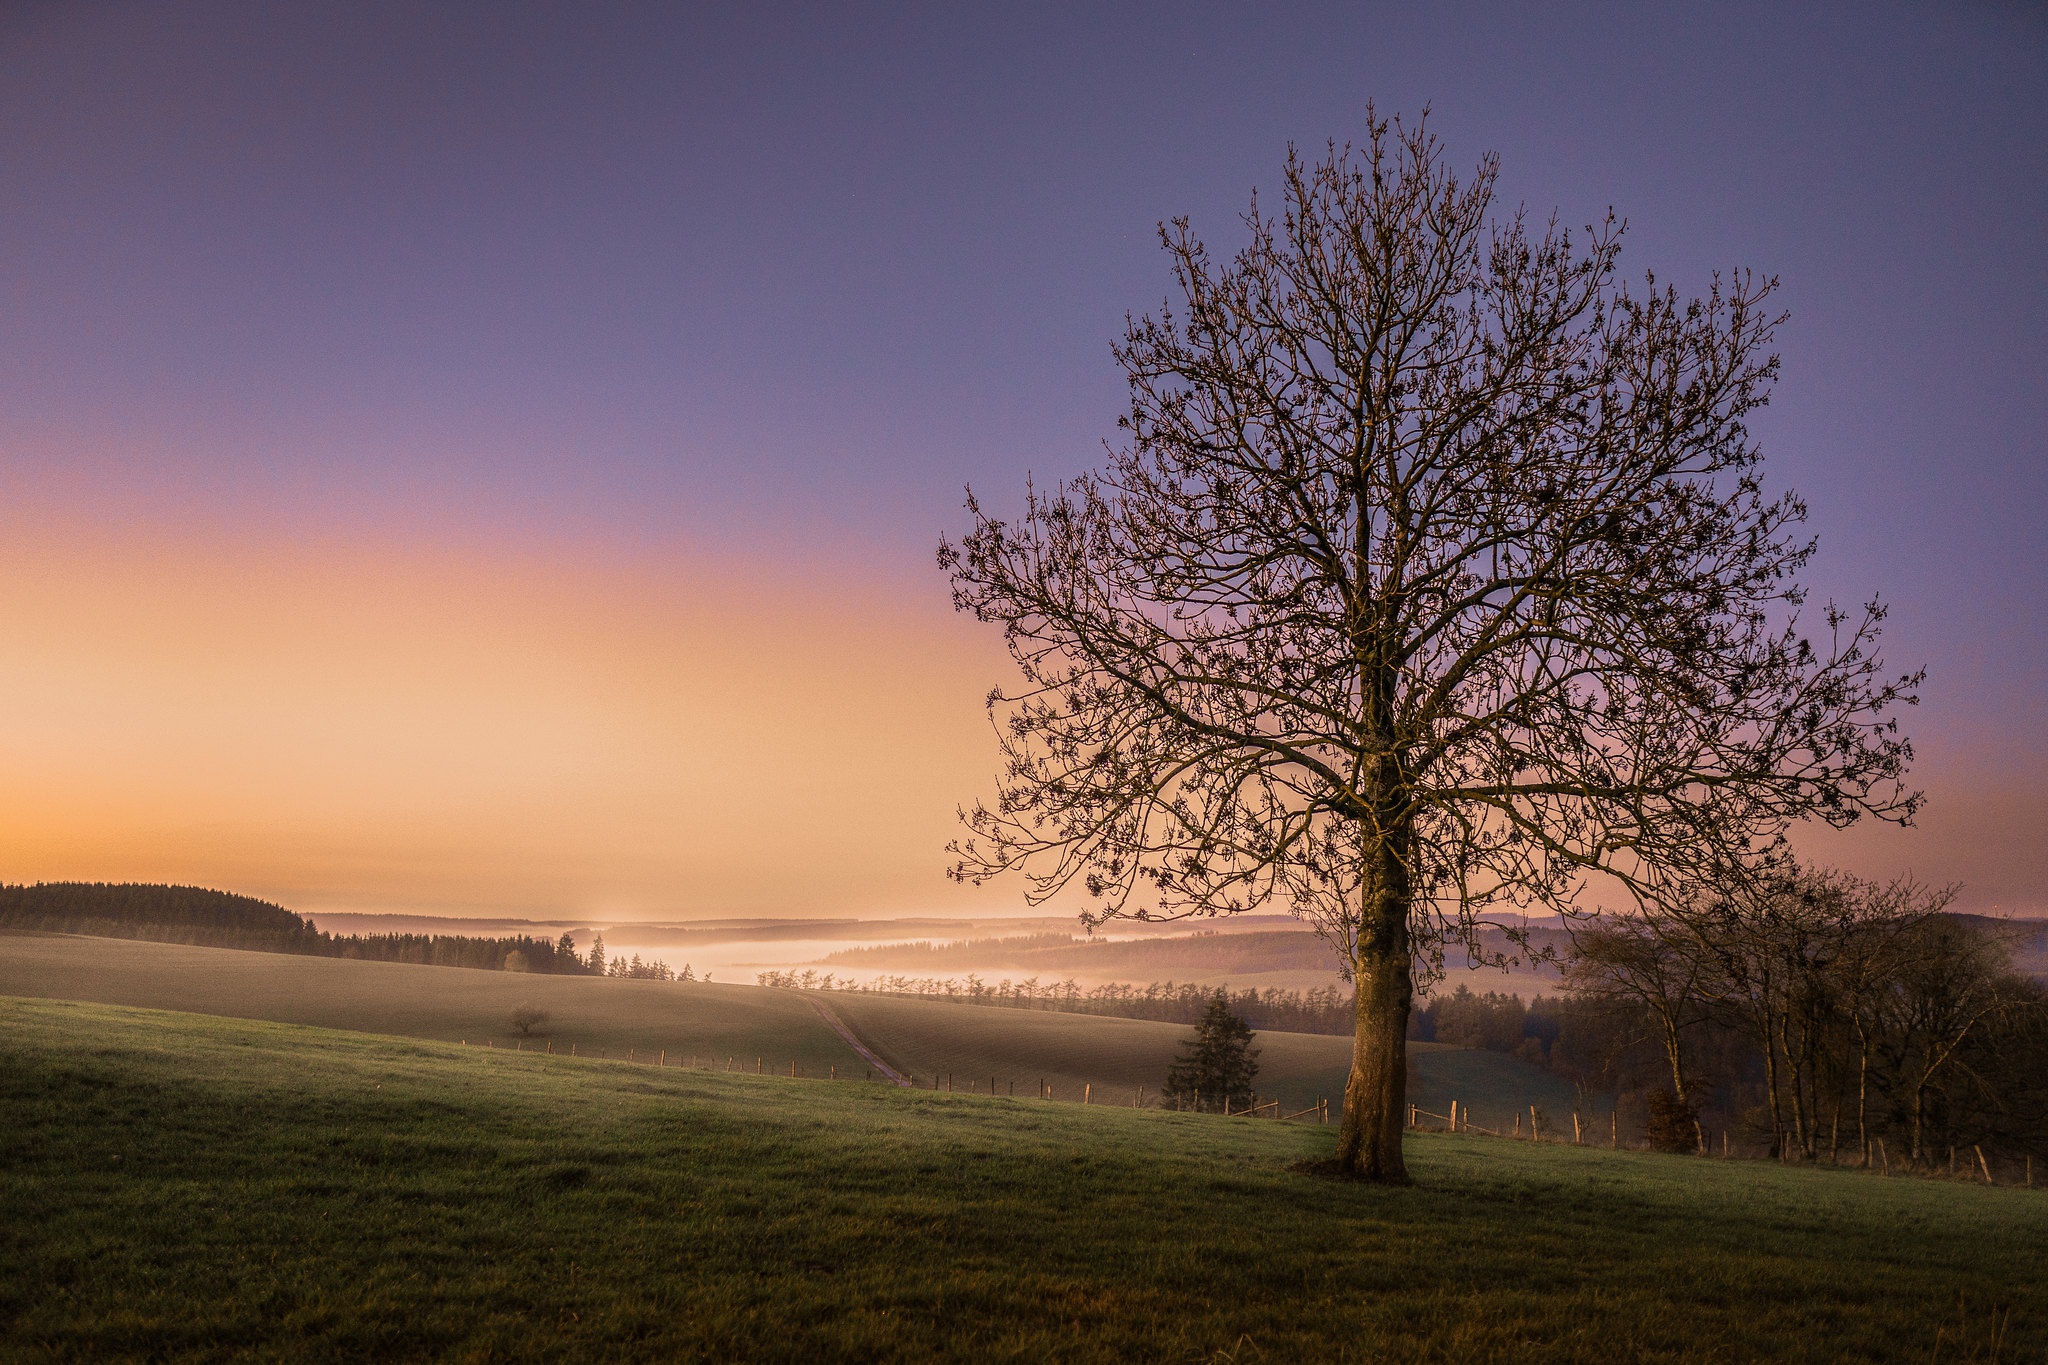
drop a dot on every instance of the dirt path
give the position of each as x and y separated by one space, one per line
839 1027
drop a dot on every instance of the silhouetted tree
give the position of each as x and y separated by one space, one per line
1217 1065
1433 572
1648 960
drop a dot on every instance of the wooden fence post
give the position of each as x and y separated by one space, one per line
1087 1089
1614 1126
757 1066
551 1047
1575 1128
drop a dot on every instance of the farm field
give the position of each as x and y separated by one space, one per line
974 1043
180 1186
451 1004
925 1038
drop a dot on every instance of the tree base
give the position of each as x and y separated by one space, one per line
1333 1169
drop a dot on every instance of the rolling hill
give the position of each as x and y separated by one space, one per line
176 1186
1108 1058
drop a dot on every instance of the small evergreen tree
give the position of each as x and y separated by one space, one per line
597 967
1217 1065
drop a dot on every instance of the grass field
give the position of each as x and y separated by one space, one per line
929 1039
974 1043
176 1186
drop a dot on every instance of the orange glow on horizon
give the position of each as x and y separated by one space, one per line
411 727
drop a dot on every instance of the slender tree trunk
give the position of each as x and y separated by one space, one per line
1792 1066
1369 1142
1863 1094
1771 1083
1674 1051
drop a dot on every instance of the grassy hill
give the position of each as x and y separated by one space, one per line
594 1015
926 1038
176 1186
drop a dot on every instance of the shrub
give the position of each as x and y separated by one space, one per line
1673 1127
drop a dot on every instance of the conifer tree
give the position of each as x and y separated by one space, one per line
1217 1065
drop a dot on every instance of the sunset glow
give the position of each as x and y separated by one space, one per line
376 723
493 462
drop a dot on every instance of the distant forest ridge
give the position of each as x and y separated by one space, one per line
1257 951
221 919
1280 950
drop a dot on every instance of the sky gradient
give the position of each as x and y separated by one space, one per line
489 458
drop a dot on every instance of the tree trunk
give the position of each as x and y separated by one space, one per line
1862 1094
1794 1080
1674 1052
1771 1084
1369 1143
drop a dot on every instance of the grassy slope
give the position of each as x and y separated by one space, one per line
172 1185
973 1043
927 1038
447 1003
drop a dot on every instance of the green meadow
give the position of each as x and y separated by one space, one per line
174 1186
740 1025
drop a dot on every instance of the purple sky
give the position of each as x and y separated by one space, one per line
772 283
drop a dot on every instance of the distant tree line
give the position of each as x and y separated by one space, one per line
1209 951
1822 1015
1324 1009
220 919
1816 1017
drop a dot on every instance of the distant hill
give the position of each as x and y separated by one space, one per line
167 914
203 917
1212 952
1206 952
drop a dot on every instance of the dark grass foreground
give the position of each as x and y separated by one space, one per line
175 1186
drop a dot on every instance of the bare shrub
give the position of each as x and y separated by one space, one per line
1673 1125
527 1018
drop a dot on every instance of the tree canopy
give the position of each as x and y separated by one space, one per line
1433 572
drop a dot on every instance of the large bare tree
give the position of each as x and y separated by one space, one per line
1431 573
